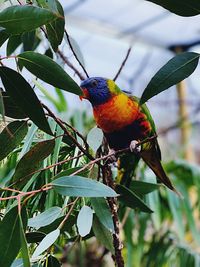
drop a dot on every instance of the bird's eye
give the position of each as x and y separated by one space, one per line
94 83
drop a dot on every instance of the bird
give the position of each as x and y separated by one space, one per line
125 124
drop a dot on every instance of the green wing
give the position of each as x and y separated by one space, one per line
146 111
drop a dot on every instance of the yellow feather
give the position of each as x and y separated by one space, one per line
111 85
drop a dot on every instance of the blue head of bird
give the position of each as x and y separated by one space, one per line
98 90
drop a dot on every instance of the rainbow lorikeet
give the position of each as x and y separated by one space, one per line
124 123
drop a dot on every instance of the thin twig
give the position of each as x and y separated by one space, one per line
22 194
75 55
7 57
47 168
10 189
68 214
114 153
66 61
60 123
19 2
76 132
123 64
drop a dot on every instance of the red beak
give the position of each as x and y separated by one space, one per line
85 94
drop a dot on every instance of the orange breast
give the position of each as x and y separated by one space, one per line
115 114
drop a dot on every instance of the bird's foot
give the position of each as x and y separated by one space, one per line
111 156
134 146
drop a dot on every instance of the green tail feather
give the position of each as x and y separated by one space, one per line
128 163
151 158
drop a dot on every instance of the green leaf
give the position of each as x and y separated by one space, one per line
50 4
3 36
11 136
55 29
190 216
21 92
66 172
28 140
17 263
51 262
13 42
175 207
102 234
184 8
49 71
184 171
34 237
24 246
175 70
11 109
95 138
46 243
103 213
130 199
45 218
156 205
49 53
67 226
143 188
30 162
30 41
10 236
23 18
84 221
81 187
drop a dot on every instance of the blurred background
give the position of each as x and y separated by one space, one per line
101 32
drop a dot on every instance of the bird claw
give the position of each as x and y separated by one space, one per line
111 156
134 146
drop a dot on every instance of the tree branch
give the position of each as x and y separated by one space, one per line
75 55
47 168
22 194
107 178
60 123
66 61
123 64
68 214
114 153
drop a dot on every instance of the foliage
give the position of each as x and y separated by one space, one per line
185 8
57 192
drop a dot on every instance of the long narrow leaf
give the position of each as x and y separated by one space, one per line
30 162
24 246
11 136
21 92
183 8
175 70
49 71
10 236
82 187
25 18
